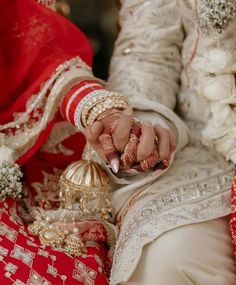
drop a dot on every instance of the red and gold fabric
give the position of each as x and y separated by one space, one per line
44 61
233 213
23 261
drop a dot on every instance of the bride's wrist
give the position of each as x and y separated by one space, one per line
101 104
108 113
73 102
87 101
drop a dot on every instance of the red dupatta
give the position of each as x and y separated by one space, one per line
34 42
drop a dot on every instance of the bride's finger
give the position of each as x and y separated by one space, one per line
92 133
147 141
164 141
121 132
109 151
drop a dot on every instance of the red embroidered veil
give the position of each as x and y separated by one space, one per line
34 41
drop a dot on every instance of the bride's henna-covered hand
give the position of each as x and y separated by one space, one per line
109 135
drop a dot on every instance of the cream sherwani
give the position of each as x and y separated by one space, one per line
172 230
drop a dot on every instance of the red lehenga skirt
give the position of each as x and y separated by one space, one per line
34 42
22 259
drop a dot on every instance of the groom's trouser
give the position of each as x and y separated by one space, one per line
196 254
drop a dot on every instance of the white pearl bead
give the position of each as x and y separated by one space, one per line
75 230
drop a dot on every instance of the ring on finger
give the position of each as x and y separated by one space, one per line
150 161
156 141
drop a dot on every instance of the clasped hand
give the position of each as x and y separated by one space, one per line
126 143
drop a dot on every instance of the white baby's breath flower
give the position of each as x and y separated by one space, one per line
10 180
222 115
219 87
219 60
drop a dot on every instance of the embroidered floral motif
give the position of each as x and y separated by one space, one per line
48 190
22 132
3 251
14 217
18 282
9 233
43 253
84 273
206 199
60 132
36 279
49 3
100 263
52 270
25 255
30 243
10 267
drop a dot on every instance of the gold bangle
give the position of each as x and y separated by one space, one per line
108 113
103 106
88 108
110 100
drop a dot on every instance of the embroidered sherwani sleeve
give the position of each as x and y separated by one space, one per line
146 63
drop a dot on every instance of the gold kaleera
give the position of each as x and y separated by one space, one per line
84 197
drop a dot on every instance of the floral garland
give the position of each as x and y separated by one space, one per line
218 86
10 173
10 180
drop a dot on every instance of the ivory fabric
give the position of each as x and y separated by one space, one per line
199 254
161 43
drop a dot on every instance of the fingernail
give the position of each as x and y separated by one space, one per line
114 163
128 111
147 123
113 126
95 127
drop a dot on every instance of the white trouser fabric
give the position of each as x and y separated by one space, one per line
196 254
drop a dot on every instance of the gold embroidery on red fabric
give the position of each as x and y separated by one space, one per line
84 274
48 190
25 255
36 279
8 232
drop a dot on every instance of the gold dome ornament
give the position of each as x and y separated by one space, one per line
84 186
84 204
